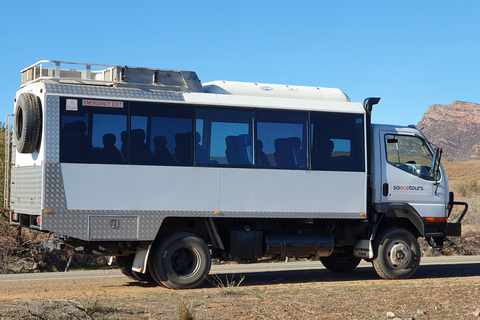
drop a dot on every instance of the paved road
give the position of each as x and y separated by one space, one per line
264 273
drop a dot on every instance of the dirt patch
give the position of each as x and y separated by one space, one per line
437 292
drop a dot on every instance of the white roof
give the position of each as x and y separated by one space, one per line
275 91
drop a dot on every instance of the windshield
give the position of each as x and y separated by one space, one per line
411 154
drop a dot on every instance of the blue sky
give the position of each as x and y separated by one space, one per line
412 54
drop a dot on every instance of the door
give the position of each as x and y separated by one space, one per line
408 174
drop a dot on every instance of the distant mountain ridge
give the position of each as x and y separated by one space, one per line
455 128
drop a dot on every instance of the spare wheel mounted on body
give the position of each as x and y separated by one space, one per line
27 123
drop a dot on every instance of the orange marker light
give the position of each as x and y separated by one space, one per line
435 219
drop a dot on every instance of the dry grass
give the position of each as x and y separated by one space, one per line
459 171
464 179
359 295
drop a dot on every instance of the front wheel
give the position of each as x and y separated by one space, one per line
341 261
181 261
397 254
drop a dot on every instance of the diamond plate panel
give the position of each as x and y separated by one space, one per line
112 92
54 192
52 125
300 215
26 191
113 227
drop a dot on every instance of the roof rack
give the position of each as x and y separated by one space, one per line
110 75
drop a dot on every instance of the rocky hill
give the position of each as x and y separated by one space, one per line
454 127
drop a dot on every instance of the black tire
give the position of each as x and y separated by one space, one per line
125 263
341 261
181 261
151 265
28 121
397 254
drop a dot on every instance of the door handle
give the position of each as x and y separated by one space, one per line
385 189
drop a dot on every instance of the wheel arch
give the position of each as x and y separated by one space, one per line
400 215
203 227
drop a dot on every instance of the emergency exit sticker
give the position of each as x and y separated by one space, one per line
100 103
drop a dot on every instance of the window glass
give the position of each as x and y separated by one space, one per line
90 131
224 137
337 142
161 134
142 133
140 148
410 154
74 142
106 137
282 139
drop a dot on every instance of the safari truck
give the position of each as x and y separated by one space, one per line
166 173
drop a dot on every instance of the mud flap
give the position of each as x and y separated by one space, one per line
454 229
140 260
363 249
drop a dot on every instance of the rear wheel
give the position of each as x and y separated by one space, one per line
181 261
397 254
341 261
125 263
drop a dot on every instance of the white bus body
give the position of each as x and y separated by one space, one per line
163 172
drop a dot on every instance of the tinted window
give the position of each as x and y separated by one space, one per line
91 131
337 142
161 134
224 137
282 139
141 133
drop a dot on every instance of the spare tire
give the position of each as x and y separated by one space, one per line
27 123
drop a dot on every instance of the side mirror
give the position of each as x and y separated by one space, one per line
435 168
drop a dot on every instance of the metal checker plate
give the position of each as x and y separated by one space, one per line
52 128
112 92
113 227
26 189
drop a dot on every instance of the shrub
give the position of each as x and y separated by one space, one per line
468 187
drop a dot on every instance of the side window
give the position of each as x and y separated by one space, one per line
107 137
161 134
224 137
74 142
91 130
140 149
282 139
337 142
410 154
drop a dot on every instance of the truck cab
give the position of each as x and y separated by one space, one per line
406 169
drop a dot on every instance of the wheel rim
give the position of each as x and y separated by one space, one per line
399 255
185 262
